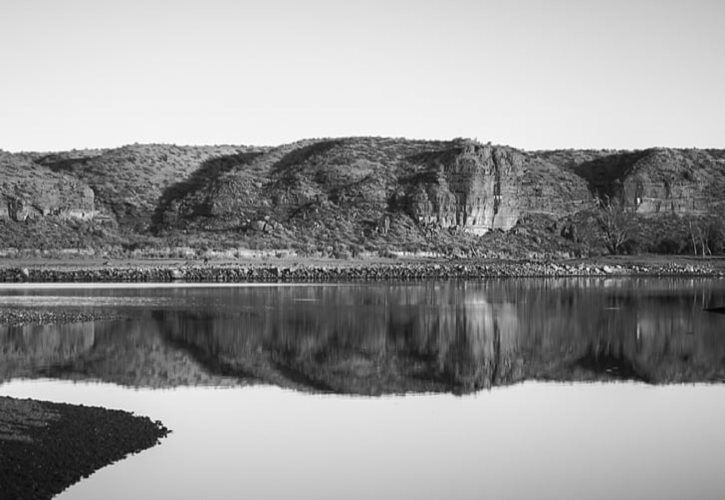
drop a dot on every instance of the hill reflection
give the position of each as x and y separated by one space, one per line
375 339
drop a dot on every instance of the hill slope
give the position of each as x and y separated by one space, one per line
361 190
348 195
128 181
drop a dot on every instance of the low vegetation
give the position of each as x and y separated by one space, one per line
353 197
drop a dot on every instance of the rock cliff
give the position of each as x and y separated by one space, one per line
31 191
653 181
364 183
342 195
482 187
676 181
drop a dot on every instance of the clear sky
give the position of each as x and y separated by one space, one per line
529 73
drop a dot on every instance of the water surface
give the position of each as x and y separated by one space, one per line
566 388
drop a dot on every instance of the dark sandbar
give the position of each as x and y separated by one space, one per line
46 447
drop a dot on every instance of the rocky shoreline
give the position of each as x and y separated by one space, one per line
40 316
46 447
351 271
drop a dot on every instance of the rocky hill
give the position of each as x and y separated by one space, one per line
31 190
653 181
130 180
357 192
351 195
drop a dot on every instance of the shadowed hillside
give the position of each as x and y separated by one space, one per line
347 196
652 181
366 193
130 180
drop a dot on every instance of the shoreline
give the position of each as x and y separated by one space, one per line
317 270
46 447
18 315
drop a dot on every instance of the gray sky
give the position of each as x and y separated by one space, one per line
529 73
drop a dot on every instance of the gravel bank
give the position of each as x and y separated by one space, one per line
27 315
46 447
301 272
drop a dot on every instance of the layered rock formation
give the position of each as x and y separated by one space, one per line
31 191
676 181
352 192
479 188
475 188
458 184
654 181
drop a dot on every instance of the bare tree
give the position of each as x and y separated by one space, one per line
697 237
615 223
706 235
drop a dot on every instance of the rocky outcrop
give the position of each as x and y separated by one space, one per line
62 200
654 181
32 191
676 181
129 181
345 196
474 188
366 183
481 187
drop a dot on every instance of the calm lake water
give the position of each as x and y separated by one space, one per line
512 389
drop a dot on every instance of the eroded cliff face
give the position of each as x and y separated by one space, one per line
357 194
59 199
481 187
684 182
355 184
474 188
653 181
32 191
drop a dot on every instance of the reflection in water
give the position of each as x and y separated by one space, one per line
548 441
382 338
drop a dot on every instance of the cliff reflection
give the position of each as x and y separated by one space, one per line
457 336
385 338
28 348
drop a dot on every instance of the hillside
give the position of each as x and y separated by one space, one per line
28 189
347 196
129 181
652 181
370 193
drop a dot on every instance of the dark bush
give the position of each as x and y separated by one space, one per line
716 236
669 246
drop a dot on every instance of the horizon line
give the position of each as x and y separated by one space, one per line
352 137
